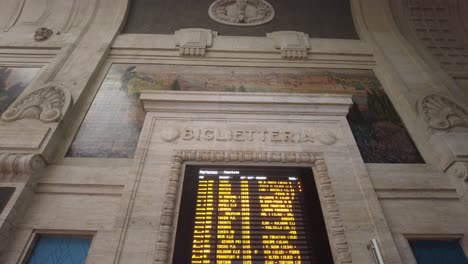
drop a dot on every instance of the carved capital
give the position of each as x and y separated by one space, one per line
194 41
20 163
47 104
293 44
459 170
442 113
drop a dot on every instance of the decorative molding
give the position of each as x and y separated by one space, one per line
459 170
416 194
47 104
241 12
330 206
80 189
293 44
15 15
20 163
194 41
442 113
71 18
23 138
438 26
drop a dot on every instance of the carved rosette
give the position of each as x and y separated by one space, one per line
20 163
47 104
241 12
330 207
442 113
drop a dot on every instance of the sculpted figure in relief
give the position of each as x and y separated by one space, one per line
241 12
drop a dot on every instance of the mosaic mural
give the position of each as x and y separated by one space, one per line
12 82
113 124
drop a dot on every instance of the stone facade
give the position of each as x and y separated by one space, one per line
130 205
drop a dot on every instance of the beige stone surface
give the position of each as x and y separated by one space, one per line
123 203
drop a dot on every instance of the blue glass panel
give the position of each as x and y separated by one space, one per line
438 252
60 250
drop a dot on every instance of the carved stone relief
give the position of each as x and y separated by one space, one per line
42 34
335 228
442 113
241 12
47 104
293 44
20 163
460 170
194 41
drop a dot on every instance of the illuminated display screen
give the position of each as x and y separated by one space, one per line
250 215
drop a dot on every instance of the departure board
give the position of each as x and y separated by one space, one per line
249 215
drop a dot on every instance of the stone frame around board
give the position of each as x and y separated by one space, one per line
333 221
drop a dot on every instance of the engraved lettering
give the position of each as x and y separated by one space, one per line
239 135
275 136
188 134
289 137
264 135
209 134
306 137
250 135
219 136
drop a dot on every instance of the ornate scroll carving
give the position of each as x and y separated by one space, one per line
442 113
293 44
330 207
194 41
47 104
20 163
241 12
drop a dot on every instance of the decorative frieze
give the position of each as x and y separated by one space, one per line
241 12
334 223
20 163
293 44
47 104
442 113
194 41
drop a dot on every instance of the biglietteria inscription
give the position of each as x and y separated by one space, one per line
248 135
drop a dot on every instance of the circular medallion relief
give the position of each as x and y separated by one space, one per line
241 12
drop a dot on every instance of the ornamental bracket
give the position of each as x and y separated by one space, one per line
194 41
293 44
